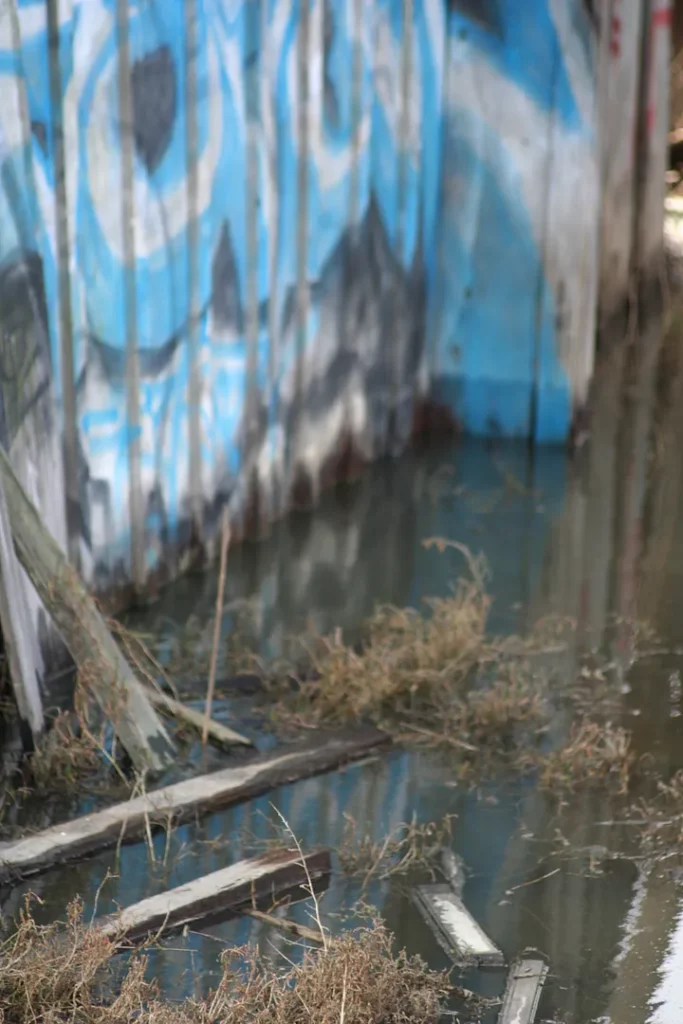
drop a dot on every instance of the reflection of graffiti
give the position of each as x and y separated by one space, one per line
310 312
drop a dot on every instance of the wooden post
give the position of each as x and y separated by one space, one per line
16 627
621 31
654 127
84 630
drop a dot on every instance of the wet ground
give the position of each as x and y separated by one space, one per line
596 538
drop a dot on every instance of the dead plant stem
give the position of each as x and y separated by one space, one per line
225 540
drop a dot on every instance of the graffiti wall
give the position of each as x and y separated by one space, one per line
246 245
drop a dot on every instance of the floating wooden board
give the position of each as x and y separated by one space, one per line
455 928
241 885
523 989
125 822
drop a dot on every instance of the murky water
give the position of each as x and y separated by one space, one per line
593 538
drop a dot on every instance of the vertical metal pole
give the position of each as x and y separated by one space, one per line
302 115
135 499
66 339
194 386
254 14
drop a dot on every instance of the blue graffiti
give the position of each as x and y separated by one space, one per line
400 276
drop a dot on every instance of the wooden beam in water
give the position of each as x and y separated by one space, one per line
231 889
125 822
523 989
455 928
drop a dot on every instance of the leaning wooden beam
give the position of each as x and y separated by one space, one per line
455 928
84 630
18 633
228 890
127 821
523 989
221 734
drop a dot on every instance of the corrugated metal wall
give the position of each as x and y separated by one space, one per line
246 245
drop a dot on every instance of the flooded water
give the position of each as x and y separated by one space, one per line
596 538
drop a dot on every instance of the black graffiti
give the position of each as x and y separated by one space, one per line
226 304
155 104
485 12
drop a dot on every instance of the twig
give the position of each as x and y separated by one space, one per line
309 887
533 881
431 734
219 733
285 925
342 1015
225 540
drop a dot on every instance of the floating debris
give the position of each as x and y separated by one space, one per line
455 928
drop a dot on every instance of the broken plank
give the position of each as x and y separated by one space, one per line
125 822
227 890
19 636
455 928
523 989
84 631
219 733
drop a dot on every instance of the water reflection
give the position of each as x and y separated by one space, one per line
591 538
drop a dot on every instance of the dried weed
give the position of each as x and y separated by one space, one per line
408 846
594 755
432 678
69 974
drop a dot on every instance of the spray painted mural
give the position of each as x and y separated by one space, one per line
253 239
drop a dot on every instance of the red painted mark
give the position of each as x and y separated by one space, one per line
661 18
615 36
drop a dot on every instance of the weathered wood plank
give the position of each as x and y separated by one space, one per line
17 632
125 822
523 989
240 885
84 630
219 733
455 928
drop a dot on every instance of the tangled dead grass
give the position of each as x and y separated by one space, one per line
434 678
79 749
595 754
408 846
70 974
